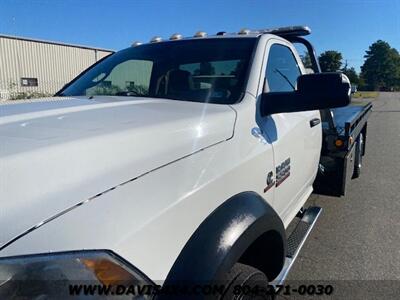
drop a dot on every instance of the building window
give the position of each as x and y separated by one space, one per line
106 83
130 84
29 81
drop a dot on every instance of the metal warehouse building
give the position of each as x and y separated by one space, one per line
33 68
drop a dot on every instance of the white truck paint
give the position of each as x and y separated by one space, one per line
146 172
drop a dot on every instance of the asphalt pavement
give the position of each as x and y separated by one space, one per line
355 245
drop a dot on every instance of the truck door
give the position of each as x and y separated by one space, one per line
295 137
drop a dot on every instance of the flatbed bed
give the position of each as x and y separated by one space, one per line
342 130
347 118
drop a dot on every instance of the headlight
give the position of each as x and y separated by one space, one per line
51 276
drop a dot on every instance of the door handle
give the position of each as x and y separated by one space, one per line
314 122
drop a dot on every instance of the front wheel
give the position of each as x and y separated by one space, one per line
246 282
358 156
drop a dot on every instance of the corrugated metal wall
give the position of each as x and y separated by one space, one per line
52 64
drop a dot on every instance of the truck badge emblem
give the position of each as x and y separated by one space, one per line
282 171
270 181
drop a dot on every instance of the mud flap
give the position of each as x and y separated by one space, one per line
334 174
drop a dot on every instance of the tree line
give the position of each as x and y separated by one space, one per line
380 71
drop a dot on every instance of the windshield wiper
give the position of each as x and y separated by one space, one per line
285 77
130 94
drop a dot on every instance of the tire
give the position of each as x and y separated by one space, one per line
358 156
242 280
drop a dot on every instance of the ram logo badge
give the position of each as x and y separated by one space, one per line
270 181
282 171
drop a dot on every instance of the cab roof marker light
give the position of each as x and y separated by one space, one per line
244 31
176 36
136 43
200 34
156 39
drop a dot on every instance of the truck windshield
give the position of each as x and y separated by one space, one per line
203 70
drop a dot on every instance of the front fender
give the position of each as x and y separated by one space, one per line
224 236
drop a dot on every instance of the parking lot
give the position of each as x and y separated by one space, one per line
356 242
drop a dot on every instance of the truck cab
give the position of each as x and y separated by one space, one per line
175 160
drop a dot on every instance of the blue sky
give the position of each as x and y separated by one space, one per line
347 26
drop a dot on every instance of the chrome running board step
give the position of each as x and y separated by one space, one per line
296 241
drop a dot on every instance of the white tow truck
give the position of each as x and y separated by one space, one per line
182 160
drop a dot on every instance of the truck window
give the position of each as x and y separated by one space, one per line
282 69
221 76
203 70
132 76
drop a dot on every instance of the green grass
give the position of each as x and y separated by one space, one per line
365 95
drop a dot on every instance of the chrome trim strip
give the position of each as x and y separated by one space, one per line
40 224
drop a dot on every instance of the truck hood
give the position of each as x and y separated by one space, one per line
59 152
